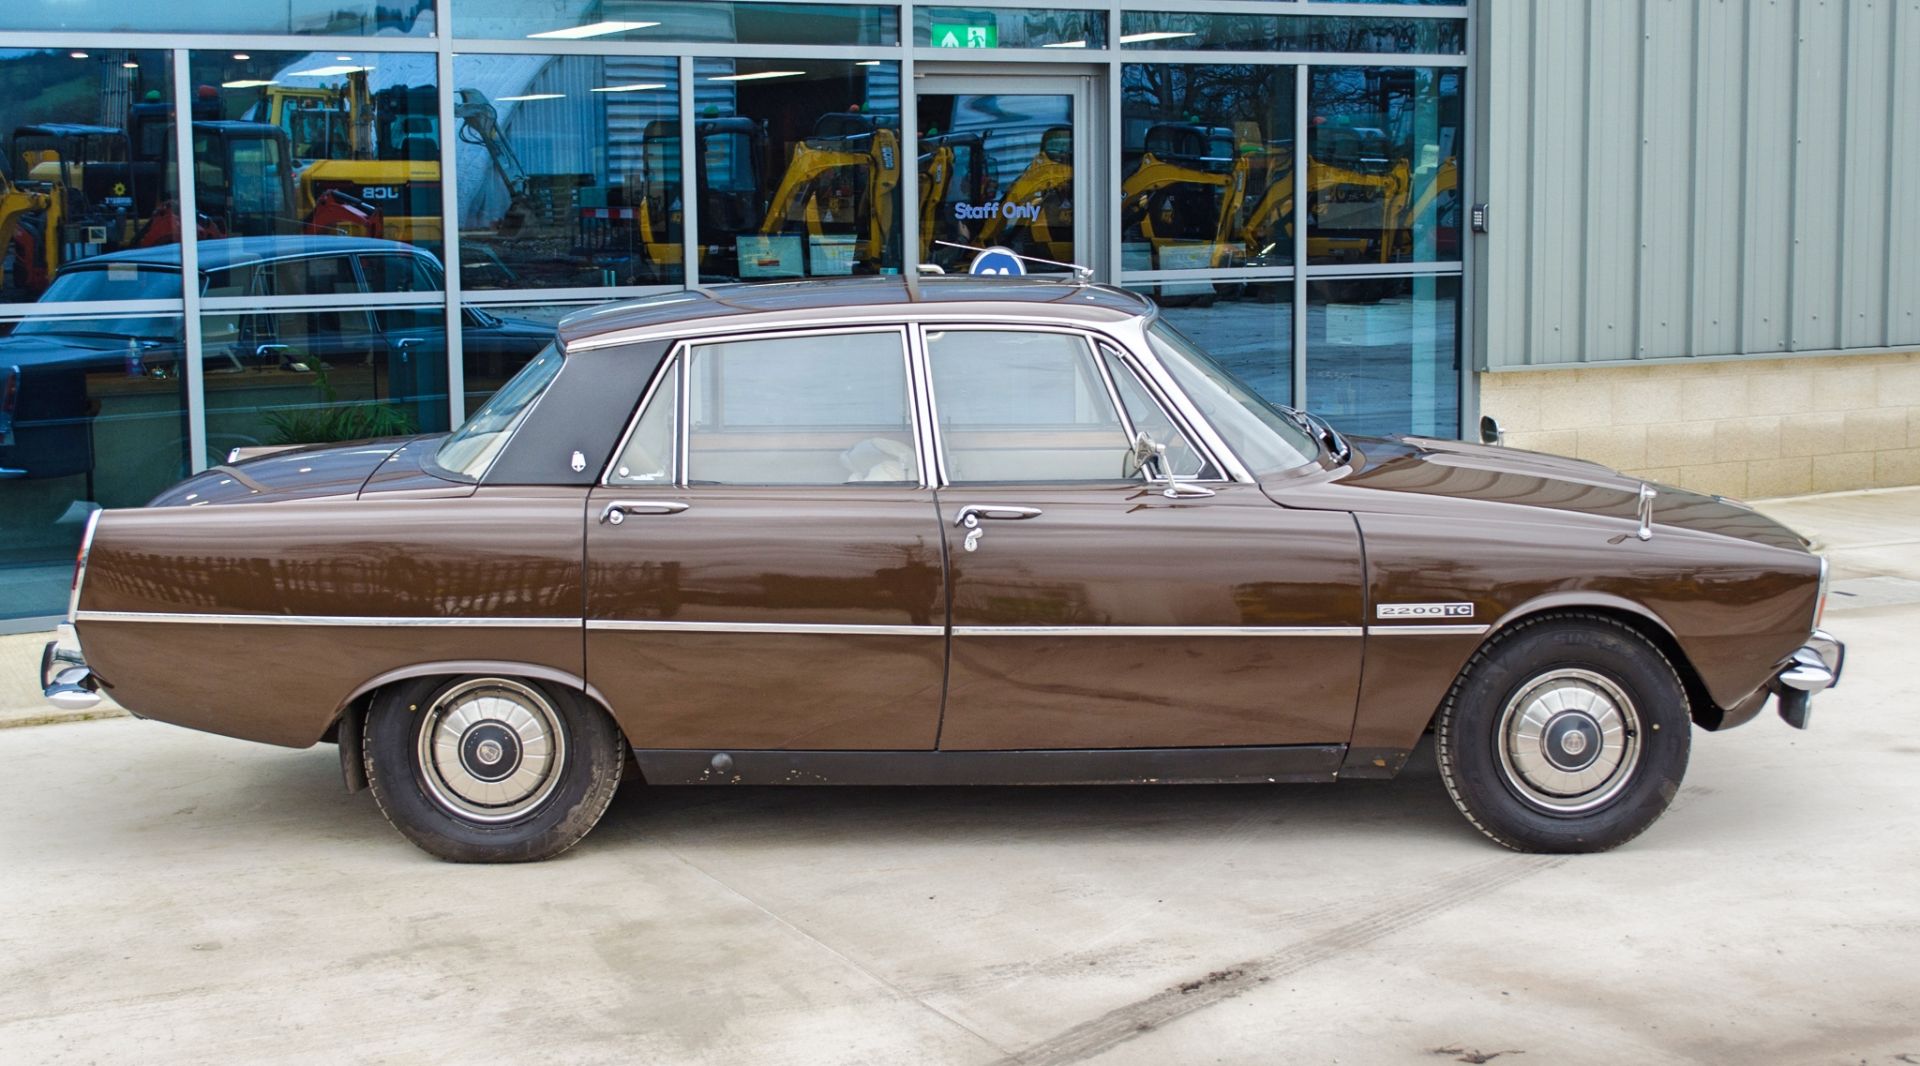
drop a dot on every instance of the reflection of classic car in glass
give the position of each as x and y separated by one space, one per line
67 381
937 530
79 191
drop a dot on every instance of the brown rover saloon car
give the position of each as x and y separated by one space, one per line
940 530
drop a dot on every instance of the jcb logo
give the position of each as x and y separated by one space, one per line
379 192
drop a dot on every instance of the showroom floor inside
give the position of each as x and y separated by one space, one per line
173 896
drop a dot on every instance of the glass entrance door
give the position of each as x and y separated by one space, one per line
1002 161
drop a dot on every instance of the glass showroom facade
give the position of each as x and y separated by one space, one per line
390 202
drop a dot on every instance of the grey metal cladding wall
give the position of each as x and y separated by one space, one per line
1696 178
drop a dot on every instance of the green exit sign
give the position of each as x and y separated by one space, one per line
961 35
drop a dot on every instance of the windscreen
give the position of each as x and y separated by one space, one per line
115 283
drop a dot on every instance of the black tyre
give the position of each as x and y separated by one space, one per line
1567 733
491 769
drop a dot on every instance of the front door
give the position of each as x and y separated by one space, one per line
1092 611
1003 161
764 560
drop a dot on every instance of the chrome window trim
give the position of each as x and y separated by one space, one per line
933 465
178 617
688 346
1157 631
1470 629
1113 395
621 625
1093 339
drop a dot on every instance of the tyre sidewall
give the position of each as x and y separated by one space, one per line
1471 739
593 750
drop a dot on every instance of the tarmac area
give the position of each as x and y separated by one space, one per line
168 896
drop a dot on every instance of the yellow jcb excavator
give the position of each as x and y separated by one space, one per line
729 159
1180 178
34 261
381 147
952 171
1040 203
840 181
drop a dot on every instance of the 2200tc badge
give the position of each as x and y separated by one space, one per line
936 530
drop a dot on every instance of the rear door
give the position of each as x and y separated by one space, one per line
764 566
1092 611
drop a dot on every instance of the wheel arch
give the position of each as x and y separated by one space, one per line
347 727
1637 617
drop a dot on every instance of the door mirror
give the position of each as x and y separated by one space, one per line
1148 457
1490 431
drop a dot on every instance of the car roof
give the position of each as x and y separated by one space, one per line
800 303
232 251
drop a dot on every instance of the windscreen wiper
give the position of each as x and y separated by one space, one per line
1320 430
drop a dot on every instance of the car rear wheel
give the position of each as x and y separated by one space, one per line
1568 733
491 769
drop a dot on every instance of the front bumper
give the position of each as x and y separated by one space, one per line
65 679
1813 667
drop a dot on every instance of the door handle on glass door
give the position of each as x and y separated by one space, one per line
617 511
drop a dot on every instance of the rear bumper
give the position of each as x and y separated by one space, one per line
65 679
1813 667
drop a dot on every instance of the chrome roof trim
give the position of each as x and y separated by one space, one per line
985 313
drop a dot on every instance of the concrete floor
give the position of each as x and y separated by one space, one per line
169 896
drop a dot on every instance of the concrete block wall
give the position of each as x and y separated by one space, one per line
1743 428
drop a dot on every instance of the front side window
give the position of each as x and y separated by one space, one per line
1146 416
822 409
471 449
1017 406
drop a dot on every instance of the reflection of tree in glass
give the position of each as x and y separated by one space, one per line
330 420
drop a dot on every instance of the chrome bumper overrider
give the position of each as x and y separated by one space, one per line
1813 667
65 679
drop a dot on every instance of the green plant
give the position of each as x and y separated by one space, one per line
330 420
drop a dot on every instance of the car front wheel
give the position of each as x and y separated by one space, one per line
490 769
1565 734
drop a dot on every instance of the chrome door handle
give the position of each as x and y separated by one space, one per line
617 511
970 515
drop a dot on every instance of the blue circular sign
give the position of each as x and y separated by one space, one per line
997 260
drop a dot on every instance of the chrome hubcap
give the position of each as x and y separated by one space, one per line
491 750
1569 741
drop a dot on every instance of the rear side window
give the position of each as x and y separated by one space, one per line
647 458
1019 406
821 409
398 273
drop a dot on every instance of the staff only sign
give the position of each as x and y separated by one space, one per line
1010 211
